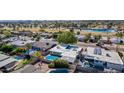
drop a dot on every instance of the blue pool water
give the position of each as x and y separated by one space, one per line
51 57
99 30
59 71
18 57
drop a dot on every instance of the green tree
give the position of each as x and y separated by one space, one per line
36 54
67 38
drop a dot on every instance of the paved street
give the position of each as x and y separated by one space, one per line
111 47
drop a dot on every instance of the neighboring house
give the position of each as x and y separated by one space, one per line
10 39
21 43
117 40
101 57
15 33
46 35
25 33
43 46
6 62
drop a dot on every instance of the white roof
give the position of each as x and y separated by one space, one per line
7 61
67 54
114 57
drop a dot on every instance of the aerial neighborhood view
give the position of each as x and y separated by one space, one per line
61 46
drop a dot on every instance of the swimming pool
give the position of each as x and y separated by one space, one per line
18 57
51 57
59 71
99 30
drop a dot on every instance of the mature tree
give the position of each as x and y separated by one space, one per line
67 38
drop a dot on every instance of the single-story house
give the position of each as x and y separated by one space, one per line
6 62
43 46
10 39
46 35
25 33
20 43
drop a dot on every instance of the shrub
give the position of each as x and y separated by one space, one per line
51 65
19 50
6 48
36 54
24 62
59 63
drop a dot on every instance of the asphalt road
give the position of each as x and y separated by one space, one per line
111 47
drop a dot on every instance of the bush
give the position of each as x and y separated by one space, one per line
6 48
51 65
59 63
26 62
19 50
36 54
